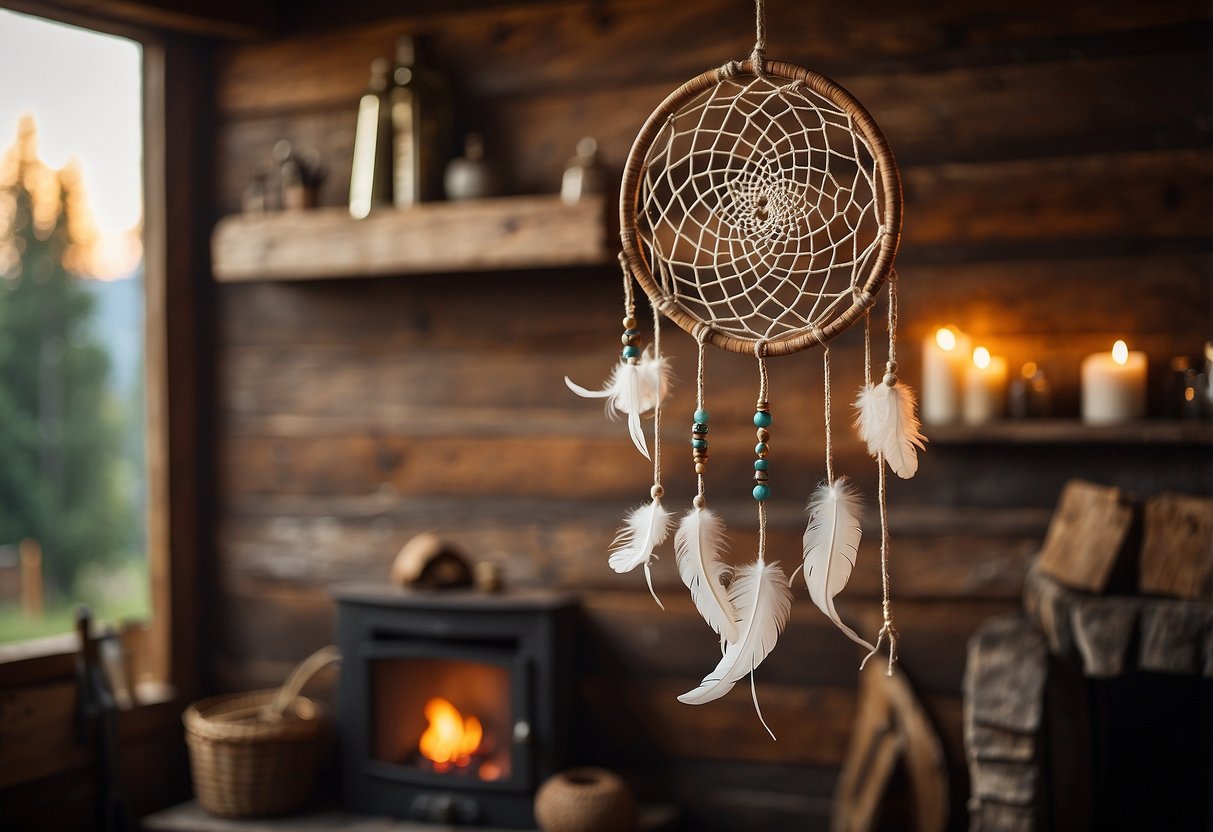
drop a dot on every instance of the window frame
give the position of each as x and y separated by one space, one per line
175 94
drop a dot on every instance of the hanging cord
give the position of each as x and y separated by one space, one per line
657 491
629 299
867 346
758 56
825 352
701 336
892 365
760 352
887 628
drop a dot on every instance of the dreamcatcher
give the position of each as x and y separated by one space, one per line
760 210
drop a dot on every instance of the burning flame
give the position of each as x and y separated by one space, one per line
981 358
1120 353
946 338
450 739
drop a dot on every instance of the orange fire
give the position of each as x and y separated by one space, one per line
450 739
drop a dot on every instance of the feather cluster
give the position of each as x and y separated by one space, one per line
760 596
831 543
887 422
632 389
644 529
699 543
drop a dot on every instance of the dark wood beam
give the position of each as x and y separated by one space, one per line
231 19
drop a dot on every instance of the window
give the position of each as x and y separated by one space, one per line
74 485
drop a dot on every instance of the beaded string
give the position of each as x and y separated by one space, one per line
762 421
631 334
699 428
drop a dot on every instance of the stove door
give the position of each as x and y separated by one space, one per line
450 715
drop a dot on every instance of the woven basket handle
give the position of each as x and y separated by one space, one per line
299 677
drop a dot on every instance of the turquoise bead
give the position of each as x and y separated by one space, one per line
760 448
762 419
631 352
631 332
762 491
760 465
699 443
701 416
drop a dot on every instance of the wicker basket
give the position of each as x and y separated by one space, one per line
256 754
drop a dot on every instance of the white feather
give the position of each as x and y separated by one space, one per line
632 374
632 389
761 598
831 543
699 543
656 377
888 424
645 528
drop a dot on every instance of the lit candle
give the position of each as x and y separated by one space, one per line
1114 386
985 388
944 357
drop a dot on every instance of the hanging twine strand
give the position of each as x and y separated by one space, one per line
657 490
629 299
760 352
887 629
758 56
891 367
867 346
825 353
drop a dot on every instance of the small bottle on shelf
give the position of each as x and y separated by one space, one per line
421 113
371 175
584 174
470 176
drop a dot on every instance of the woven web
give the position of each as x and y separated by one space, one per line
760 208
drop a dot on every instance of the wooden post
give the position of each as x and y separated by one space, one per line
31 579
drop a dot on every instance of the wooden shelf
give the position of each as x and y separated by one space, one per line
480 235
1072 431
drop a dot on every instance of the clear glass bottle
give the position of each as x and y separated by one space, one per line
421 112
371 174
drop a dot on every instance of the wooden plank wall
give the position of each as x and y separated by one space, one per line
1056 162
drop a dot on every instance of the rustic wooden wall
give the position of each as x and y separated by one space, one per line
1056 162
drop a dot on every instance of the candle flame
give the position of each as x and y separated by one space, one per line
1120 352
946 338
981 357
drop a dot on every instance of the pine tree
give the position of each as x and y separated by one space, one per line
60 442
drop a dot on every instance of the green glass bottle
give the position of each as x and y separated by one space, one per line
421 111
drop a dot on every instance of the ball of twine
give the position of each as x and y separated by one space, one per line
585 800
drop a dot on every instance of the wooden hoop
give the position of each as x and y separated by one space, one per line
886 170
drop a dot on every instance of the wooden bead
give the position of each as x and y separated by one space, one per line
763 434
699 467
629 322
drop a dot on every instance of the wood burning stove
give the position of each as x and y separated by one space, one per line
453 705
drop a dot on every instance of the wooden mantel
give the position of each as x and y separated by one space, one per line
481 235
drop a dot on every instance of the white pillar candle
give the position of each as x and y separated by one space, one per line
1114 386
985 388
945 355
